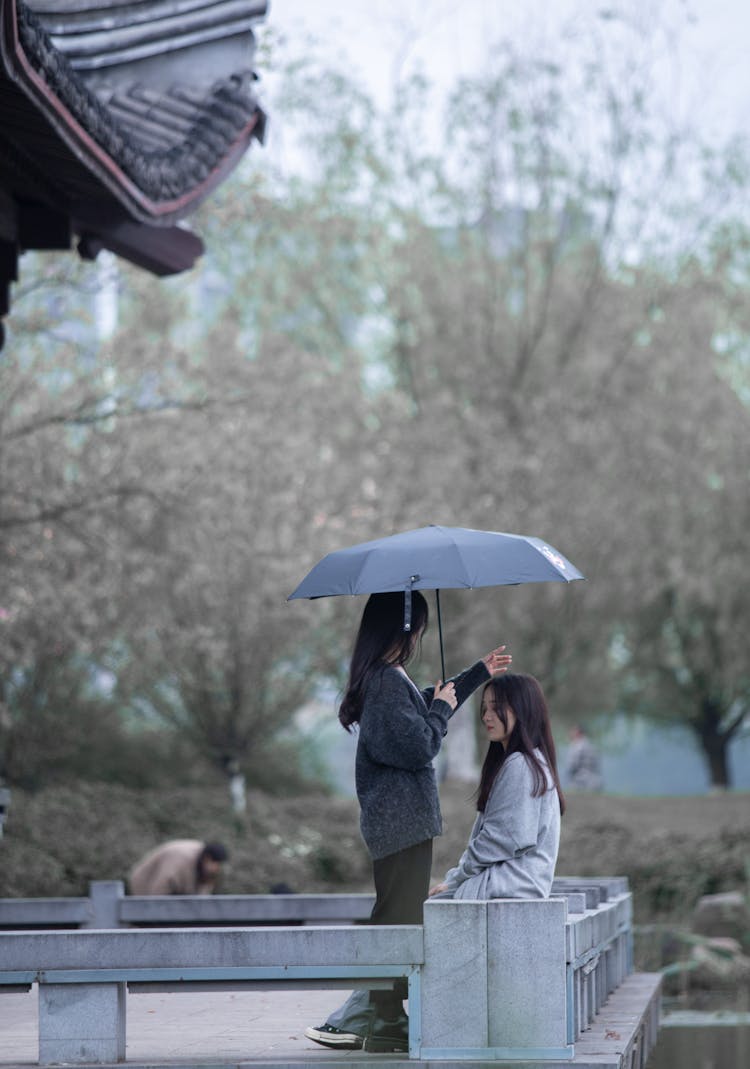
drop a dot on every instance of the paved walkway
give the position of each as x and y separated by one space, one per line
253 1029
189 1029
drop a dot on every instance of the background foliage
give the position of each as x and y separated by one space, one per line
539 325
673 850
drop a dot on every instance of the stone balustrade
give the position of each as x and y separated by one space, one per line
107 906
507 979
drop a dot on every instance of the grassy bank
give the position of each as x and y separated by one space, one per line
672 849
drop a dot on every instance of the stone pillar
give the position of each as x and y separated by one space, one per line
526 974
81 1023
104 903
454 977
494 980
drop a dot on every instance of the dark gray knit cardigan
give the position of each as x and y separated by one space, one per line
400 732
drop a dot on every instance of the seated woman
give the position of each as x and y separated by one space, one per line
513 845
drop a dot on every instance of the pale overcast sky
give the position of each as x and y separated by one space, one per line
705 69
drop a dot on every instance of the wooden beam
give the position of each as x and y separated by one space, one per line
8 218
8 272
42 227
160 250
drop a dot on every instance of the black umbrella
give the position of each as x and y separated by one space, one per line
436 558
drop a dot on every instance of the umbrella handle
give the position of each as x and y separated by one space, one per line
440 632
407 601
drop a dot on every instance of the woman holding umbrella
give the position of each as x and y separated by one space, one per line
401 730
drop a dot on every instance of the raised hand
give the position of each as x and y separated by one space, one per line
497 661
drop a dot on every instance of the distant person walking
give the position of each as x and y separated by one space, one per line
178 867
401 730
583 766
512 849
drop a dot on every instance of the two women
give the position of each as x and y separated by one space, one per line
401 730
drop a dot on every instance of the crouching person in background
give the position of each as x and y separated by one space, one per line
178 867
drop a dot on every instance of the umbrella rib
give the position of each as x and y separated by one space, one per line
467 573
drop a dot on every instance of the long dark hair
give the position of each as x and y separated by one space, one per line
381 635
524 696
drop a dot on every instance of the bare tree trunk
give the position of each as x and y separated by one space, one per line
715 744
715 751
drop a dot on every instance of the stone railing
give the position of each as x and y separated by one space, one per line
107 906
517 978
507 979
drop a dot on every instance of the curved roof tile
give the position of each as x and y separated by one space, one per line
119 118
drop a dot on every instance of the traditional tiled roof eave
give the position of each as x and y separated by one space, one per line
156 186
114 126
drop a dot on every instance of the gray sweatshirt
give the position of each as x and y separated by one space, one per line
513 845
401 730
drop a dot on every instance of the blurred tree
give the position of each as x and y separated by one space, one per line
254 485
680 650
553 305
68 490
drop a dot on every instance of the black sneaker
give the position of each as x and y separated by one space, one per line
386 1037
328 1036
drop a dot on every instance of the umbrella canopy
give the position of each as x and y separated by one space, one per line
436 558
